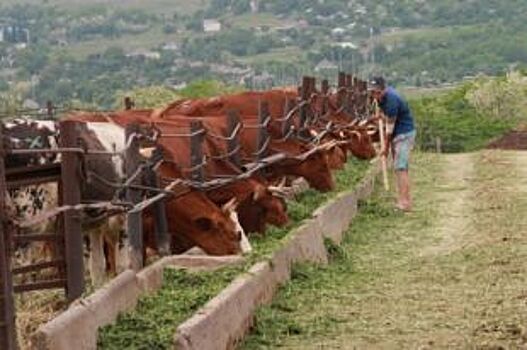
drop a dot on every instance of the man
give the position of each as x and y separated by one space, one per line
400 135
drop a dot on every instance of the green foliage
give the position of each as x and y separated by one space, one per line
147 97
459 124
207 88
152 324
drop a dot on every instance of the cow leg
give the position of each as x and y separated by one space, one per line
97 263
110 255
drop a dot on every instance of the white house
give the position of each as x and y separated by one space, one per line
211 25
146 54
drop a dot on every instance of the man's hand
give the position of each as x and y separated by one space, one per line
386 150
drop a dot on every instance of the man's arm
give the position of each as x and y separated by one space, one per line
390 117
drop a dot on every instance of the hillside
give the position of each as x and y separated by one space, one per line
87 50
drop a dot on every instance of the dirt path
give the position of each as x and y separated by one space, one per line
453 193
450 275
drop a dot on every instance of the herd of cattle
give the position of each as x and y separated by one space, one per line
306 138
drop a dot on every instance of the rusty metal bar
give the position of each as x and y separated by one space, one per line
196 150
233 145
287 122
8 338
72 224
134 224
160 216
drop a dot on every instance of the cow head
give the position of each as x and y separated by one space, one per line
315 170
204 224
273 202
336 158
361 145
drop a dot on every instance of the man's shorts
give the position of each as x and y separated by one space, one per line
402 145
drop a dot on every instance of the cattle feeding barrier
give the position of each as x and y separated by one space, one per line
143 188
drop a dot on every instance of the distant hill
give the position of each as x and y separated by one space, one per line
88 49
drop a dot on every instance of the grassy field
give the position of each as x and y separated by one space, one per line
155 319
423 33
130 42
249 21
450 275
288 54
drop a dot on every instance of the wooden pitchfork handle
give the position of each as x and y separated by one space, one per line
382 134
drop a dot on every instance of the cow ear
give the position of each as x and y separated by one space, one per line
257 195
203 223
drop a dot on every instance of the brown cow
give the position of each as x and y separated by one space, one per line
247 104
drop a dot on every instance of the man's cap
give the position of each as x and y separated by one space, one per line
376 83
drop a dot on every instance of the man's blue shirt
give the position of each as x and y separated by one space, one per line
395 107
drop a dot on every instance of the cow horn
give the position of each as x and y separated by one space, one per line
282 192
371 130
147 152
258 194
230 205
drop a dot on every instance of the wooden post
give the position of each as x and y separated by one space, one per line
50 109
128 103
196 150
438 145
304 98
134 224
325 98
263 135
340 93
233 144
70 183
312 89
348 96
8 338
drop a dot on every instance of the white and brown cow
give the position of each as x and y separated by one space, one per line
28 202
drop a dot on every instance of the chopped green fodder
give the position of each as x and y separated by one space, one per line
153 323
